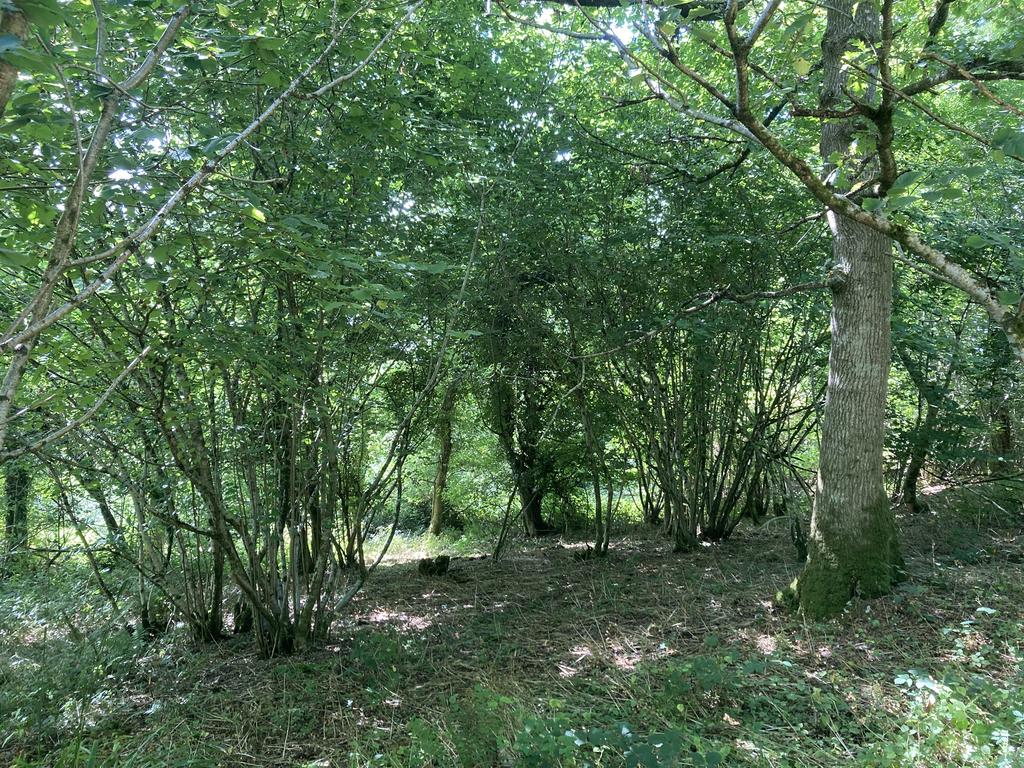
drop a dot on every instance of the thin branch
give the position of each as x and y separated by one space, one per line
996 70
761 23
126 247
57 434
547 27
985 91
146 67
710 298
101 37
369 57
931 113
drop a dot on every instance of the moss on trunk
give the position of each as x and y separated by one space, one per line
863 564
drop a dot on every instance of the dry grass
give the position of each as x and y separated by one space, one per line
590 640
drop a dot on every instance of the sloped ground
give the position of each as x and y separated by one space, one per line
642 658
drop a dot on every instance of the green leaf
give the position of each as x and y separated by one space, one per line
903 201
703 33
946 193
160 253
904 181
872 203
42 13
434 269
798 25
255 213
269 43
28 60
362 294
977 241
1010 298
1008 142
16 258
215 145
802 67
272 79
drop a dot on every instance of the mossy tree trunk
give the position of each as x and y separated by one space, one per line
852 547
1002 441
518 427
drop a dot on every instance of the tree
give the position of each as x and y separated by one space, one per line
17 495
444 456
704 70
60 231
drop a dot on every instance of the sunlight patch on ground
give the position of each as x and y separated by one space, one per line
766 644
400 619
581 655
625 659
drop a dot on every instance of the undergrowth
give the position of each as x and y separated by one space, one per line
642 659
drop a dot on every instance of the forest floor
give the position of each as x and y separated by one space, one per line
642 658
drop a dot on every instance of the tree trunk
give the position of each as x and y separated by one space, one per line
518 431
852 546
17 492
681 524
215 616
1002 442
650 501
155 497
596 459
444 441
932 395
95 490
13 23
920 442
531 498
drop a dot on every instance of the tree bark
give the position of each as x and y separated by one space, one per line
444 455
93 485
214 625
932 395
852 547
531 500
681 523
14 23
920 442
18 489
21 340
518 428
1002 441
